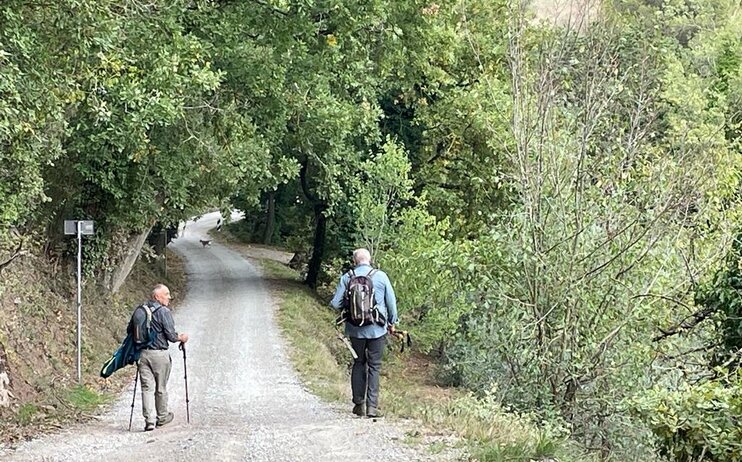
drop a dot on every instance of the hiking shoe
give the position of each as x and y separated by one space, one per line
374 413
165 420
359 410
149 427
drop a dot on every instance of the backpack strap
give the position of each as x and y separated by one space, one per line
148 311
351 274
370 276
152 314
346 294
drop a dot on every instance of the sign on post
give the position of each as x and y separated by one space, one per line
87 226
79 227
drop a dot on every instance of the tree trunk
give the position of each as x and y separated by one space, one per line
318 249
134 248
5 385
159 240
270 218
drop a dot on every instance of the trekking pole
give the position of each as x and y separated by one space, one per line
134 397
345 340
185 377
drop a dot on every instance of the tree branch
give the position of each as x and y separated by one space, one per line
689 322
17 253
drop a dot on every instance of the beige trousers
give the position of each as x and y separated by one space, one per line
154 372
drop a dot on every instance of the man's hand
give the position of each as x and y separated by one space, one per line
182 338
391 329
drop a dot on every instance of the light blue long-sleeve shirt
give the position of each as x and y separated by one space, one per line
384 296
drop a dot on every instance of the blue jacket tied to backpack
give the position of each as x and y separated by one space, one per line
125 355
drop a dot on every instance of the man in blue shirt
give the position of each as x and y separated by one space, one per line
368 340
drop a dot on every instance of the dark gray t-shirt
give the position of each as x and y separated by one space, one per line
162 322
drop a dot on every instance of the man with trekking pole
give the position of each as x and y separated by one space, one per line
155 362
369 310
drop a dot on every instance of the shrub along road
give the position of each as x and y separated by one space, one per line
246 401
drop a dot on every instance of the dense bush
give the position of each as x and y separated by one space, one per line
696 422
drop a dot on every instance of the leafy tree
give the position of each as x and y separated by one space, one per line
149 137
616 169
32 122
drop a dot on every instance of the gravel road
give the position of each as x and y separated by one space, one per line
246 401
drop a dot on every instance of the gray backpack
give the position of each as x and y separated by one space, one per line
359 300
140 326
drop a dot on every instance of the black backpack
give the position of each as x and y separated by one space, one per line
140 326
360 304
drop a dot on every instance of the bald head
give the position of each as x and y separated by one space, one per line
162 294
361 257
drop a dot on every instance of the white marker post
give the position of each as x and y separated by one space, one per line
79 227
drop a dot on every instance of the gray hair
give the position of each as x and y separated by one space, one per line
157 289
361 256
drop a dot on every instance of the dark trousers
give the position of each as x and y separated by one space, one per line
366 370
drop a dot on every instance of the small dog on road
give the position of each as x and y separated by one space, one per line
205 242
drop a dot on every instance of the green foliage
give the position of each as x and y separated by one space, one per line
380 187
722 300
129 122
699 422
31 116
542 449
131 147
607 198
418 260
452 116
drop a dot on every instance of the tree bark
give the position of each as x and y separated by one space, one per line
320 228
158 240
318 247
270 218
5 384
133 249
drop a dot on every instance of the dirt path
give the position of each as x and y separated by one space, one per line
246 401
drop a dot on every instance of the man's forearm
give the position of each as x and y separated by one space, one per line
168 328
